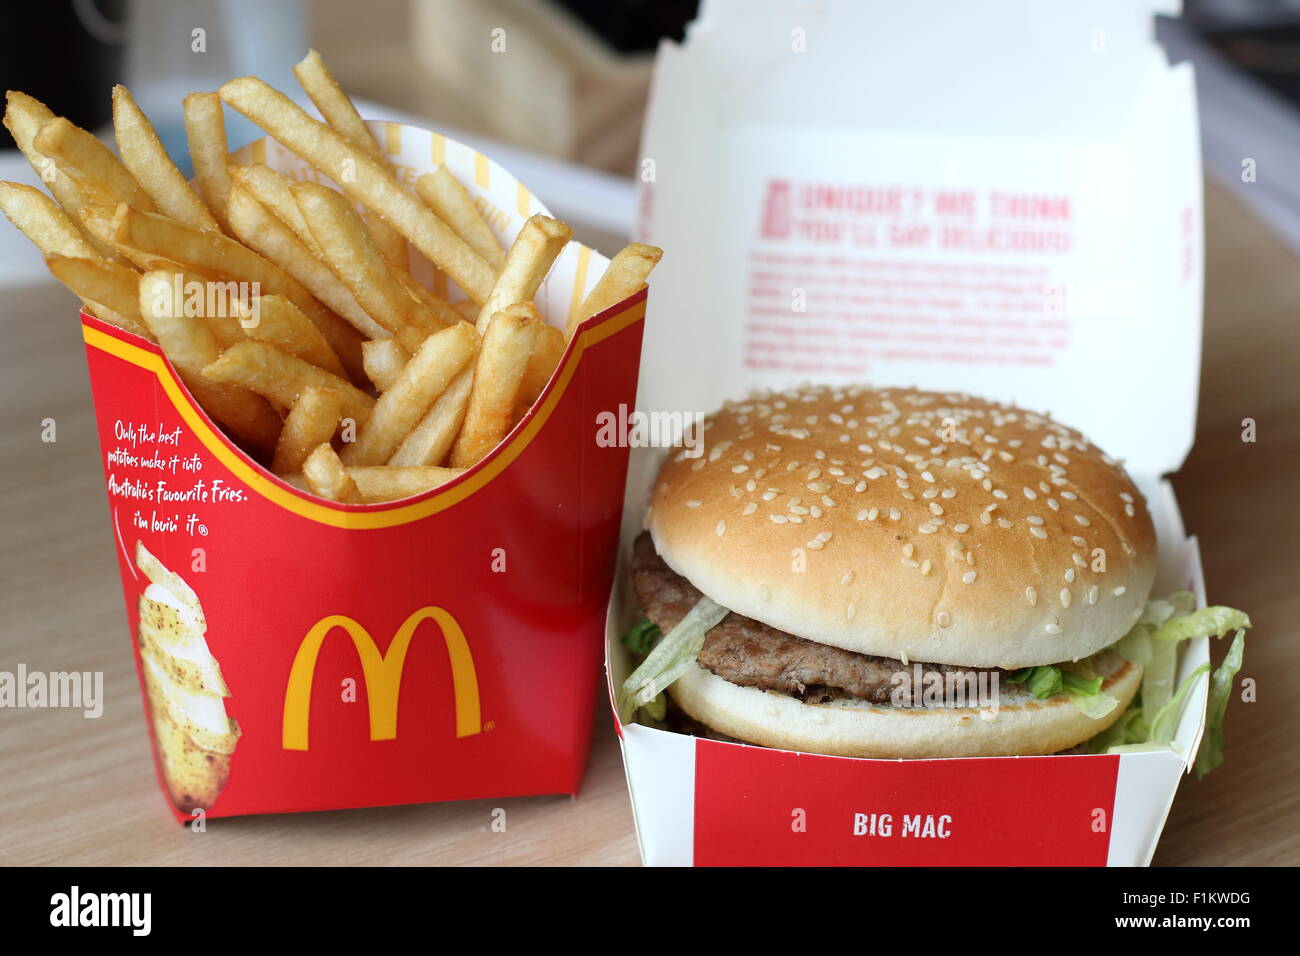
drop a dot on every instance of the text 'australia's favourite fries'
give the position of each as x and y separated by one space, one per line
320 353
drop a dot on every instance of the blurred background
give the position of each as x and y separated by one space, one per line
561 84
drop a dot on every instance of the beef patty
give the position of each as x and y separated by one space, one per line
753 654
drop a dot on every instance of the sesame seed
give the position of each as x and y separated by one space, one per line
749 509
722 528
968 577
849 612
814 545
1065 597
1128 510
1030 493
961 528
1034 519
935 508
1053 504
999 493
1077 558
694 503
1119 591
1079 542
925 566
1037 532
848 578
778 519
1082 520
872 514
927 528
739 469
1031 596
894 514
1004 523
943 618
1053 628
1092 594
1069 575
908 549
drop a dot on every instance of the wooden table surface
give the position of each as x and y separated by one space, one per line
78 791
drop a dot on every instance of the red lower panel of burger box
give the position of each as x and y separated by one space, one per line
441 647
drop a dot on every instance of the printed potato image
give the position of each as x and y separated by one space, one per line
186 690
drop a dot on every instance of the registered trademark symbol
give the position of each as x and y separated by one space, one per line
203 530
490 725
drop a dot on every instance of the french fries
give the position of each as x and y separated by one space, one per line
190 346
311 422
429 441
267 234
104 283
281 377
24 116
442 193
145 159
90 163
213 254
363 178
626 274
351 253
383 359
420 381
327 478
497 376
205 128
290 309
531 255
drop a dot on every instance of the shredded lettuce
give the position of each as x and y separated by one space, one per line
1211 753
1048 680
670 658
641 636
1151 721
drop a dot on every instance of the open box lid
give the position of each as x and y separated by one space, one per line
852 192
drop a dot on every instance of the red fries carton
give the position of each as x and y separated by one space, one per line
869 195
297 654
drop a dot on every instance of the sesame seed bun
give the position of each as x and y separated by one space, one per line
847 728
914 525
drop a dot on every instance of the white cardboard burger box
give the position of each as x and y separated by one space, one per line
995 197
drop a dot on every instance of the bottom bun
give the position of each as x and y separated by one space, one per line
1023 725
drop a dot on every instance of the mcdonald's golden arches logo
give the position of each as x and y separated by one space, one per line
382 674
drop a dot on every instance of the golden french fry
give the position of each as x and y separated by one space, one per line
271 189
438 308
467 309
335 105
205 128
497 376
104 283
385 483
390 243
420 381
627 273
90 163
529 259
264 233
24 116
340 113
146 159
429 441
282 378
351 254
213 254
312 421
363 178
444 194
383 359
327 478
41 220
548 349
190 345
275 320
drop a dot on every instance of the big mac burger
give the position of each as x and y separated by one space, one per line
900 573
